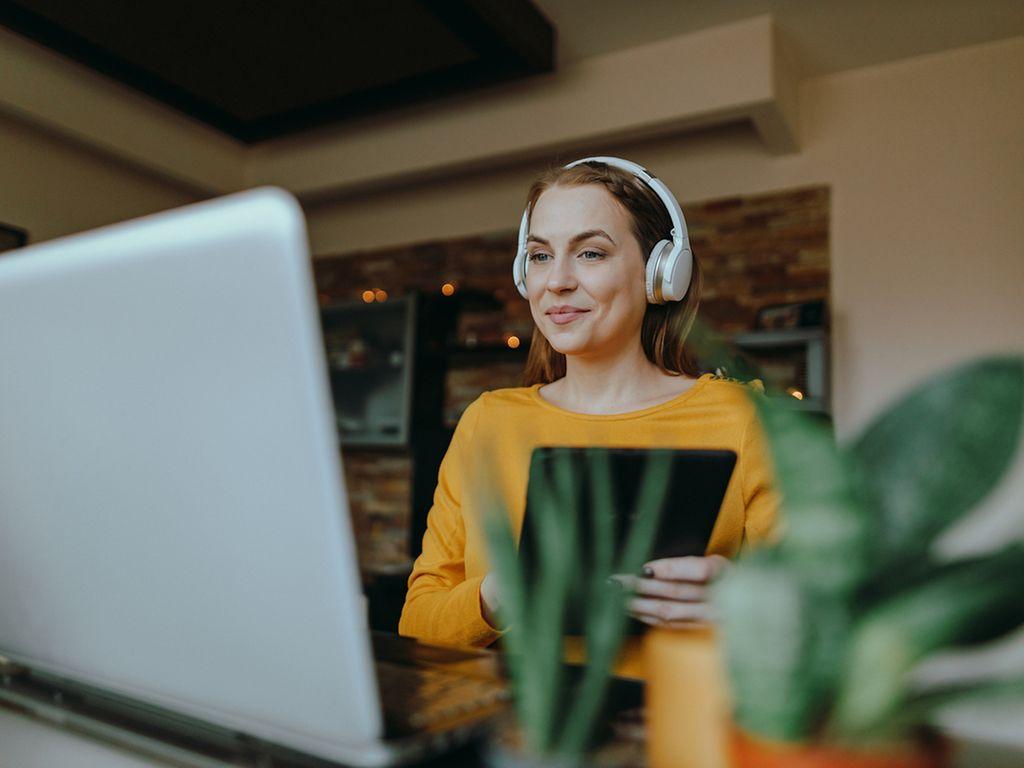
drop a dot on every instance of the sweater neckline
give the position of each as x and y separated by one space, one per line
699 384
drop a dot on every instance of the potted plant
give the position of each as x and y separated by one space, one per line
557 712
823 629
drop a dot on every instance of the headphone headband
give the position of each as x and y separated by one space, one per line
675 213
669 265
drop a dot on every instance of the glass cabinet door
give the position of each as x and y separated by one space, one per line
370 355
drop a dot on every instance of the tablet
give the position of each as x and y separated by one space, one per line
697 483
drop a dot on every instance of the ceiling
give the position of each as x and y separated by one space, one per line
828 35
265 68
271 68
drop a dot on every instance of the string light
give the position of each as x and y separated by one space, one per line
513 342
380 295
368 297
447 289
797 394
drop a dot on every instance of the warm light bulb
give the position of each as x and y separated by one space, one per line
368 297
380 295
797 394
513 342
447 289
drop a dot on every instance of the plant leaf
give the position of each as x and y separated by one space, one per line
825 532
767 642
606 615
969 602
501 550
936 453
923 707
557 545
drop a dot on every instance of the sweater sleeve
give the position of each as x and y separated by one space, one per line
442 605
760 496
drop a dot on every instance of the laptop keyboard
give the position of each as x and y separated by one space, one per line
420 698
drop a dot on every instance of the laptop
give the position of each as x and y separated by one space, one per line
175 529
697 481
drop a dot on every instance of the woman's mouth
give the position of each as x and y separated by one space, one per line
563 315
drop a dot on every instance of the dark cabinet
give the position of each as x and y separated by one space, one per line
370 356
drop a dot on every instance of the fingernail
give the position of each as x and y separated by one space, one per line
648 572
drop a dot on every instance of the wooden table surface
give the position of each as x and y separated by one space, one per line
29 741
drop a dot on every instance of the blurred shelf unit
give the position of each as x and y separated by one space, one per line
370 353
476 354
797 359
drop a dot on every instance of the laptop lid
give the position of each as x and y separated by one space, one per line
173 516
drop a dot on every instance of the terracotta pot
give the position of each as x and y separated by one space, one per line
751 752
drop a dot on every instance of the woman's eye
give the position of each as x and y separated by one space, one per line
592 255
537 256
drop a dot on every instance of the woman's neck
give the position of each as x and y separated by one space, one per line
614 384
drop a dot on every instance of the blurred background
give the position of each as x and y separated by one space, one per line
852 174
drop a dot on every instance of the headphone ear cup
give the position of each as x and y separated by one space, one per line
676 273
655 270
519 267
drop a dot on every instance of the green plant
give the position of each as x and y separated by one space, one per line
556 715
823 629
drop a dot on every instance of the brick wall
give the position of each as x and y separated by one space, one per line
378 491
756 251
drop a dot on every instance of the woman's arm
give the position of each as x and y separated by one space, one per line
761 497
442 605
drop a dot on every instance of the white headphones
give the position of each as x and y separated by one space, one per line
669 265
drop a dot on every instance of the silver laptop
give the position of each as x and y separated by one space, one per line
174 527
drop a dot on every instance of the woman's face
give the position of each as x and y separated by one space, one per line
585 279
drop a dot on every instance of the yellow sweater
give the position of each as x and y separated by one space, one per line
489 459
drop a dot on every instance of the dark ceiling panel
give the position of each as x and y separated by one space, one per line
261 69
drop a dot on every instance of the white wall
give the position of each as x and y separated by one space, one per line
52 187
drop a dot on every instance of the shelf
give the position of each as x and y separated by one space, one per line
480 352
348 308
375 368
779 338
811 344
808 404
378 387
371 440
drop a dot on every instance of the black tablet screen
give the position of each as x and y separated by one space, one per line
696 487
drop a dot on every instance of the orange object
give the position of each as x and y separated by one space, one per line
751 752
687 700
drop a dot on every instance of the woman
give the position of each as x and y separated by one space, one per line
607 367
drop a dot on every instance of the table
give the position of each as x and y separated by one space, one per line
31 740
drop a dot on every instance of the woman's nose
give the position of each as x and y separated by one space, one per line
561 275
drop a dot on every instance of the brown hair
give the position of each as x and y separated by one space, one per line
665 326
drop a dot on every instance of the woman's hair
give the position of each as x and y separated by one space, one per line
665 326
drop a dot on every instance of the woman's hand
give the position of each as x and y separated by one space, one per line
490 600
673 592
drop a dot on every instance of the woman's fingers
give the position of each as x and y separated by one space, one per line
657 612
675 594
670 590
695 569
